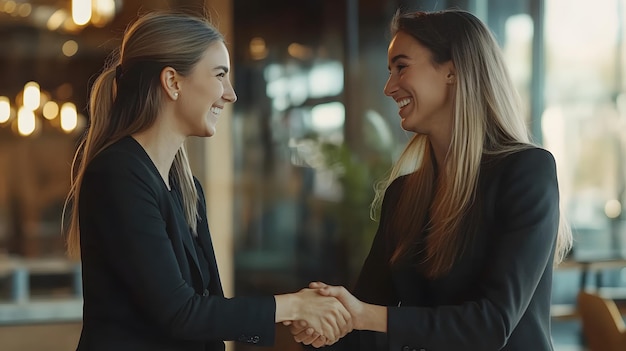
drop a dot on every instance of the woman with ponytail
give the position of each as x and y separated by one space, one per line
137 215
470 226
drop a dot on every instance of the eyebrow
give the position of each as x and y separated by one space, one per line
396 58
224 68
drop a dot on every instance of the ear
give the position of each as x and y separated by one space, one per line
451 73
170 82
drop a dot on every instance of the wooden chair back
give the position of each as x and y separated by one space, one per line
602 324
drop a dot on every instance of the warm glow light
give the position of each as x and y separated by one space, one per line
69 117
103 12
258 49
105 8
81 11
70 48
10 6
56 20
24 10
32 95
25 121
50 110
299 51
69 26
5 109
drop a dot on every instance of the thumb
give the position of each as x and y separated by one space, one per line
317 285
335 291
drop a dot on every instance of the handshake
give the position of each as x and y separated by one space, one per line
324 314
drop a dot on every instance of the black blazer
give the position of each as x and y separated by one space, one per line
142 286
498 294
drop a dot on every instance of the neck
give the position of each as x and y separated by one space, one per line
441 136
441 146
161 146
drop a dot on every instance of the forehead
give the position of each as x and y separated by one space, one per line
404 44
216 55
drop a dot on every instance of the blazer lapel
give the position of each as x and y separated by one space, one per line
191 251
185 234
215 285
175 198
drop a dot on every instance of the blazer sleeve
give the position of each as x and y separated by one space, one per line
374 284
119 199
527 205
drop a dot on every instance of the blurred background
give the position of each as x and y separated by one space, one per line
289 175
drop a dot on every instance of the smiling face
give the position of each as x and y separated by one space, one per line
204 92
423 90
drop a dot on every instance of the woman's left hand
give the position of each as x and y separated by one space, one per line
351 303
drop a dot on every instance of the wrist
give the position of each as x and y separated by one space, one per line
371 317
360 316
287 307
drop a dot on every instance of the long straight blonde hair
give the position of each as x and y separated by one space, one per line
487 121
126 97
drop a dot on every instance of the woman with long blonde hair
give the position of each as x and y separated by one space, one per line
470 225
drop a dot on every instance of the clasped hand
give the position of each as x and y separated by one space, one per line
331 314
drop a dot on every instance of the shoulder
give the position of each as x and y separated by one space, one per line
394 189
528 175
525 162
123 164
123 155
531 155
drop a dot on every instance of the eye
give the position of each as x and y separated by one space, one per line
397 68
221 75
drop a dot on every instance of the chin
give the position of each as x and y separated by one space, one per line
406 126
210 132
204 133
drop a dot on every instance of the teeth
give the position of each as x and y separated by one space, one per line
216 110
403 102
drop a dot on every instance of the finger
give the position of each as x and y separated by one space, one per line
287 323
347 321
294 329
330 328
319 342
306 339
334 291
344 319
317 285
344 323
330 342
301 337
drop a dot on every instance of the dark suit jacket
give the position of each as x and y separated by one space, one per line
143 289
497 295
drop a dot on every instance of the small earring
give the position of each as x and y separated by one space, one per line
176 95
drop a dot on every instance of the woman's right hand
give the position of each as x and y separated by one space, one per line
326 319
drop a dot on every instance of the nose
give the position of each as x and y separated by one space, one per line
229 92
390 87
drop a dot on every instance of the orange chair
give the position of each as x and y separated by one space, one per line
602 323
